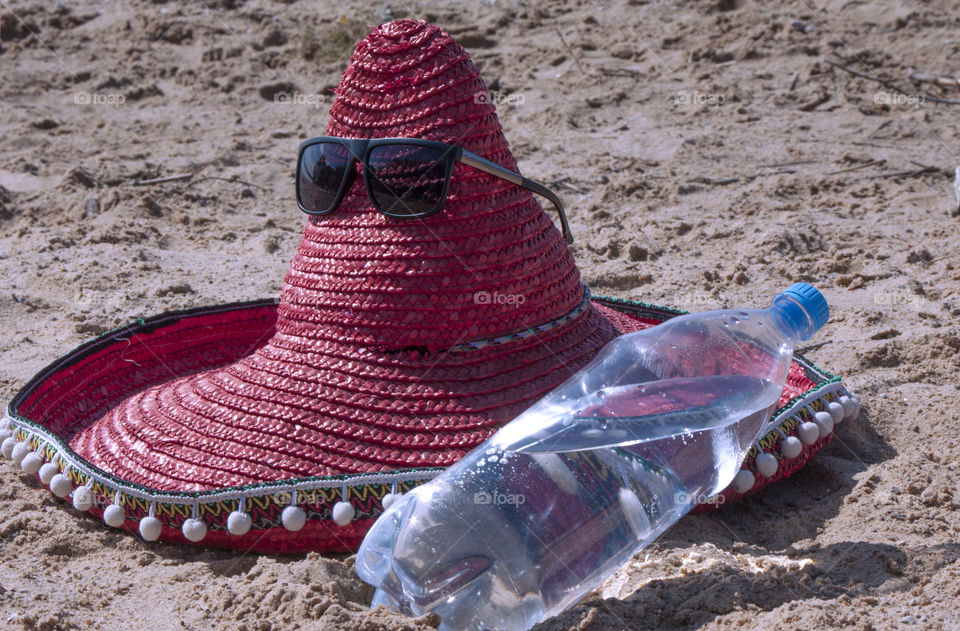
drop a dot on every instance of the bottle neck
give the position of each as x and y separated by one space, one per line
792 319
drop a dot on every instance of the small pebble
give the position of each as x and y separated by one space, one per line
91 208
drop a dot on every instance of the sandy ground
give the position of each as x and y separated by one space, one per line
709 156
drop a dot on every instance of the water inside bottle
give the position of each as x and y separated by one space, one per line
526 524
635 413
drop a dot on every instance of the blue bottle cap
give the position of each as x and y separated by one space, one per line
813 303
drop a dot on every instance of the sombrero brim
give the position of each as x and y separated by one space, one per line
333 512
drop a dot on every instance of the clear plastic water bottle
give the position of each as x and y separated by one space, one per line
552 504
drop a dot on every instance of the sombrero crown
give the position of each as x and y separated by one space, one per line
396 347
491 263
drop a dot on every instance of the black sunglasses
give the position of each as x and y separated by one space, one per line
405 177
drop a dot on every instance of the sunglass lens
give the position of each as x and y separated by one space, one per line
320 175
406 180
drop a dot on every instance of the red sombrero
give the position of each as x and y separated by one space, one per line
396 347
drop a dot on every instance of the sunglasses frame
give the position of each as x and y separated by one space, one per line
360 149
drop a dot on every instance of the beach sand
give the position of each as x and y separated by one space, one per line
709 156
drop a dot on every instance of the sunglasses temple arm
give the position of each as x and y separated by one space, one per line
540 189
475 161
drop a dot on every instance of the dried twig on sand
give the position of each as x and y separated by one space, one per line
857 168
813 347
809 106
713 180
619 72
188 176
232 180
163 180
892 86
941 82
780 165
914 173
570 50
723 181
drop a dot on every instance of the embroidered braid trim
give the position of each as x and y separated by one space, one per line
522 335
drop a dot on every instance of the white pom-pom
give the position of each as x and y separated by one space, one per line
82 498
194 530
389 499
836 411
767 465
293 518
743 481
239 523
6 447
31 463
851 407
343 513
19 452
824 421
61 485
5 434
791 447
809 432
114 515
47 472
150 528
